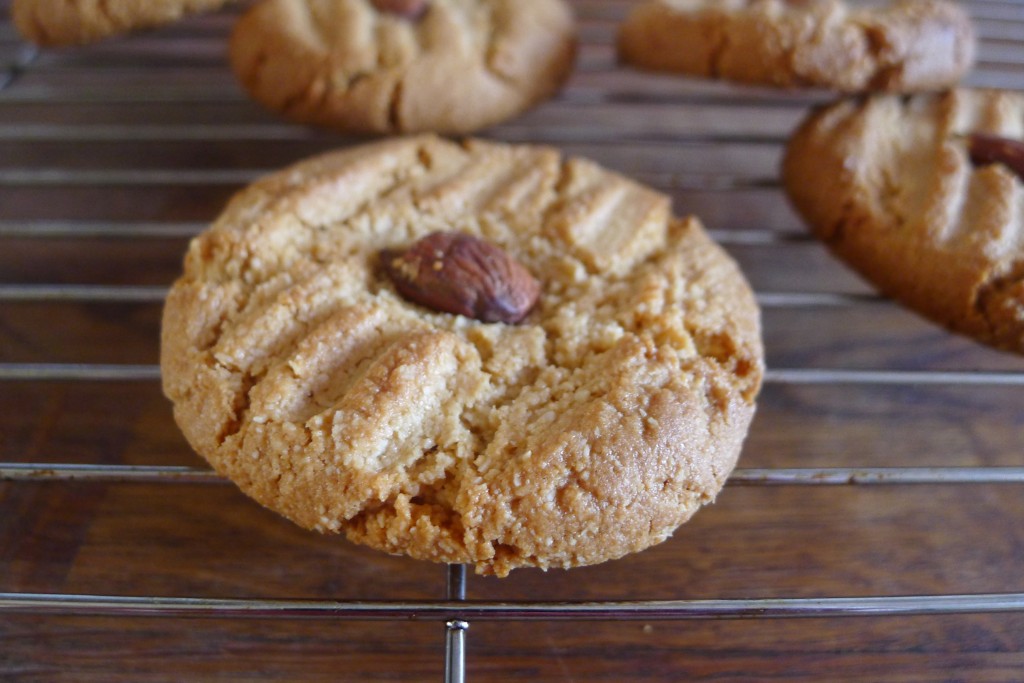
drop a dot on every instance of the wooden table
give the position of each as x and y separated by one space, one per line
112 156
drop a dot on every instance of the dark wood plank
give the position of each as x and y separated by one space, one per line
985 650
208 540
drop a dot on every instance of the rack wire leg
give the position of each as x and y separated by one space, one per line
455 629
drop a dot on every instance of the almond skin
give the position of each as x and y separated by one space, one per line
409 9
992 149
452 272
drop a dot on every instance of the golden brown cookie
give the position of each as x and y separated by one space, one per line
889 185
75 22
907 46
450 66
590 429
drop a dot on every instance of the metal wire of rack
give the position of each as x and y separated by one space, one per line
602 83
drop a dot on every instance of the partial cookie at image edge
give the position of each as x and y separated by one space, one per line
889 186
452 69
64 23
906 46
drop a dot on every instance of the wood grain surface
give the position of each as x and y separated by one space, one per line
113 155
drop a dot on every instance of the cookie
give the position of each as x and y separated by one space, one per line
907 46
76 22
450 66
888 183
605 417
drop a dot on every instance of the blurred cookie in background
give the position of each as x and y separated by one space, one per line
399 66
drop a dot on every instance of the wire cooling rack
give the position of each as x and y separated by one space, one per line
72 123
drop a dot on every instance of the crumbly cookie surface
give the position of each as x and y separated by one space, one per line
590 430
907 46
75 22
456 67
888 185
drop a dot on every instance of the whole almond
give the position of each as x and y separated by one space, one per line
409 9
992 149
453 272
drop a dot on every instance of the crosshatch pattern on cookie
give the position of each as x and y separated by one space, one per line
889 185
591 429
